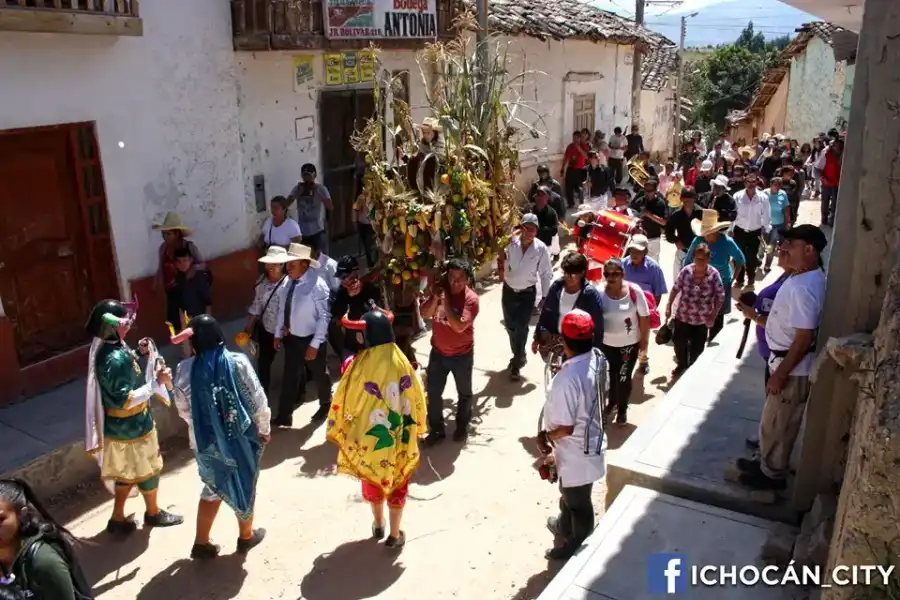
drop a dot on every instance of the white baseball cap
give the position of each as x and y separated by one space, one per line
530 219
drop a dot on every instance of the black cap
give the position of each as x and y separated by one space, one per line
810 234
688 192
379 330
543 168
97 327
208 334
345 266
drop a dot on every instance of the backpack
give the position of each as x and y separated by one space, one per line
29 584
655 321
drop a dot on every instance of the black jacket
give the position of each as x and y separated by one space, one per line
548 224
657 206
724 205
589 301
678 227
601 179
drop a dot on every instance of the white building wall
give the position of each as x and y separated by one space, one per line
168 97
657 125
270 104
816 93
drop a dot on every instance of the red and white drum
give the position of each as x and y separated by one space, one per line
608 236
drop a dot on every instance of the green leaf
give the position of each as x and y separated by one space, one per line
384 441
378 430
405 437
408 420
394 419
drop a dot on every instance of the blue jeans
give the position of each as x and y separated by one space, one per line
439 367
829 204
776 235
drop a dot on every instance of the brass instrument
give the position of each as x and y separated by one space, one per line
637 171
673 194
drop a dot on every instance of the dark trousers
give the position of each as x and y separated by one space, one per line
748 242
689 341
173 308
265 357
576 513
319 239
439 367
621 361
367 239
294 382
617 165
517 309
829 204
574 182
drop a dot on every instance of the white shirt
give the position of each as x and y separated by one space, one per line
572 401
281 235
523 269
328 271
753 213
310 308
265 303
798 305
620 316
617 146
566 304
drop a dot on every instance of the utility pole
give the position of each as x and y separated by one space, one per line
636 79
676 142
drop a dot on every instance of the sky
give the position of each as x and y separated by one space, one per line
718 21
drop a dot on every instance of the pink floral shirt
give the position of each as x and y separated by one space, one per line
700 301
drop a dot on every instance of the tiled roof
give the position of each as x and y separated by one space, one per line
563 19
658 64
820 29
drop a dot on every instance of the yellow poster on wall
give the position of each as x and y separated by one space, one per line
351 67
366 66
303 69
334 69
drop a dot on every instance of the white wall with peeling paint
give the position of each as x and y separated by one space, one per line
657 121
168 96
815 98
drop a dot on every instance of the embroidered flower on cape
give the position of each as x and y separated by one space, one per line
379 416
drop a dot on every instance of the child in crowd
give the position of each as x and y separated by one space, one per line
194 290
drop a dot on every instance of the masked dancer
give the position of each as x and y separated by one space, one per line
119 427
219 396
377 417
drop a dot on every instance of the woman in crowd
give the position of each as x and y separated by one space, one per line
626 331
815 163
701 294
279 229
723 250
36 554
174 234
262 316
567 293
780 208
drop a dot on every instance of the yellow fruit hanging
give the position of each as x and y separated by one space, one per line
445 179
409 245
406 275
386 226
403 226
437 219
413 229
396 280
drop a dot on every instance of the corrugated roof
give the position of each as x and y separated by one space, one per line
563 19
658 65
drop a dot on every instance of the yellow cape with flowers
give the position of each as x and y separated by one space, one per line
377 415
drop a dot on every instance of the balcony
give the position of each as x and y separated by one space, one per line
91 17
300 25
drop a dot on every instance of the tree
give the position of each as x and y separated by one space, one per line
754 41
726 80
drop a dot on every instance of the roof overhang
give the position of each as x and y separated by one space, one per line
844 13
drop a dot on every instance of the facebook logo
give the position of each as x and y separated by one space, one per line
667 573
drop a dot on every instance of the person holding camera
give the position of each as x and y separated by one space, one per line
452 308
572 437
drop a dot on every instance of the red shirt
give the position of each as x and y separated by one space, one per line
443 338
831 174
573 158
691 177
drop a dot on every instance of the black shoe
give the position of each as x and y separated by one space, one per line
747 465
245 546
377 532
396 542
621 418
205 551
321 414
122 528
163 519
564 552
461 433
515 374
554 527
759 481
752 443
434 438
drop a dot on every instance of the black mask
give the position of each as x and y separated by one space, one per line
95 325
379 330
208 334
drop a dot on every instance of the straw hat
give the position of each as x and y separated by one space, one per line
721 181
709 223
301 252
172 222
583 210
275 255
431 123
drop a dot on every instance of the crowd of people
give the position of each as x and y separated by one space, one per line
380 412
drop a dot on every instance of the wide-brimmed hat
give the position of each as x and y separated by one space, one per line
706 165
709 223
172 222
301 252
275 255
584 209
431 123
721 181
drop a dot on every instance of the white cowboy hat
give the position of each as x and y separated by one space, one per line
721 181
431 123
275 255
301 252
172 222
706 165
709 223
583 209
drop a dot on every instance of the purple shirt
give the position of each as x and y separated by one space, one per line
763 306
649 275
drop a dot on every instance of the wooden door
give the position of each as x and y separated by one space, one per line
584 112
346 112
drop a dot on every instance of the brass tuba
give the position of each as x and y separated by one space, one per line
637 171
673 194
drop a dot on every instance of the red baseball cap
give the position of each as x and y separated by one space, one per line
577 325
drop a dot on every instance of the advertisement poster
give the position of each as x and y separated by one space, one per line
351 67
366 66
368 19
304 70
334 69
